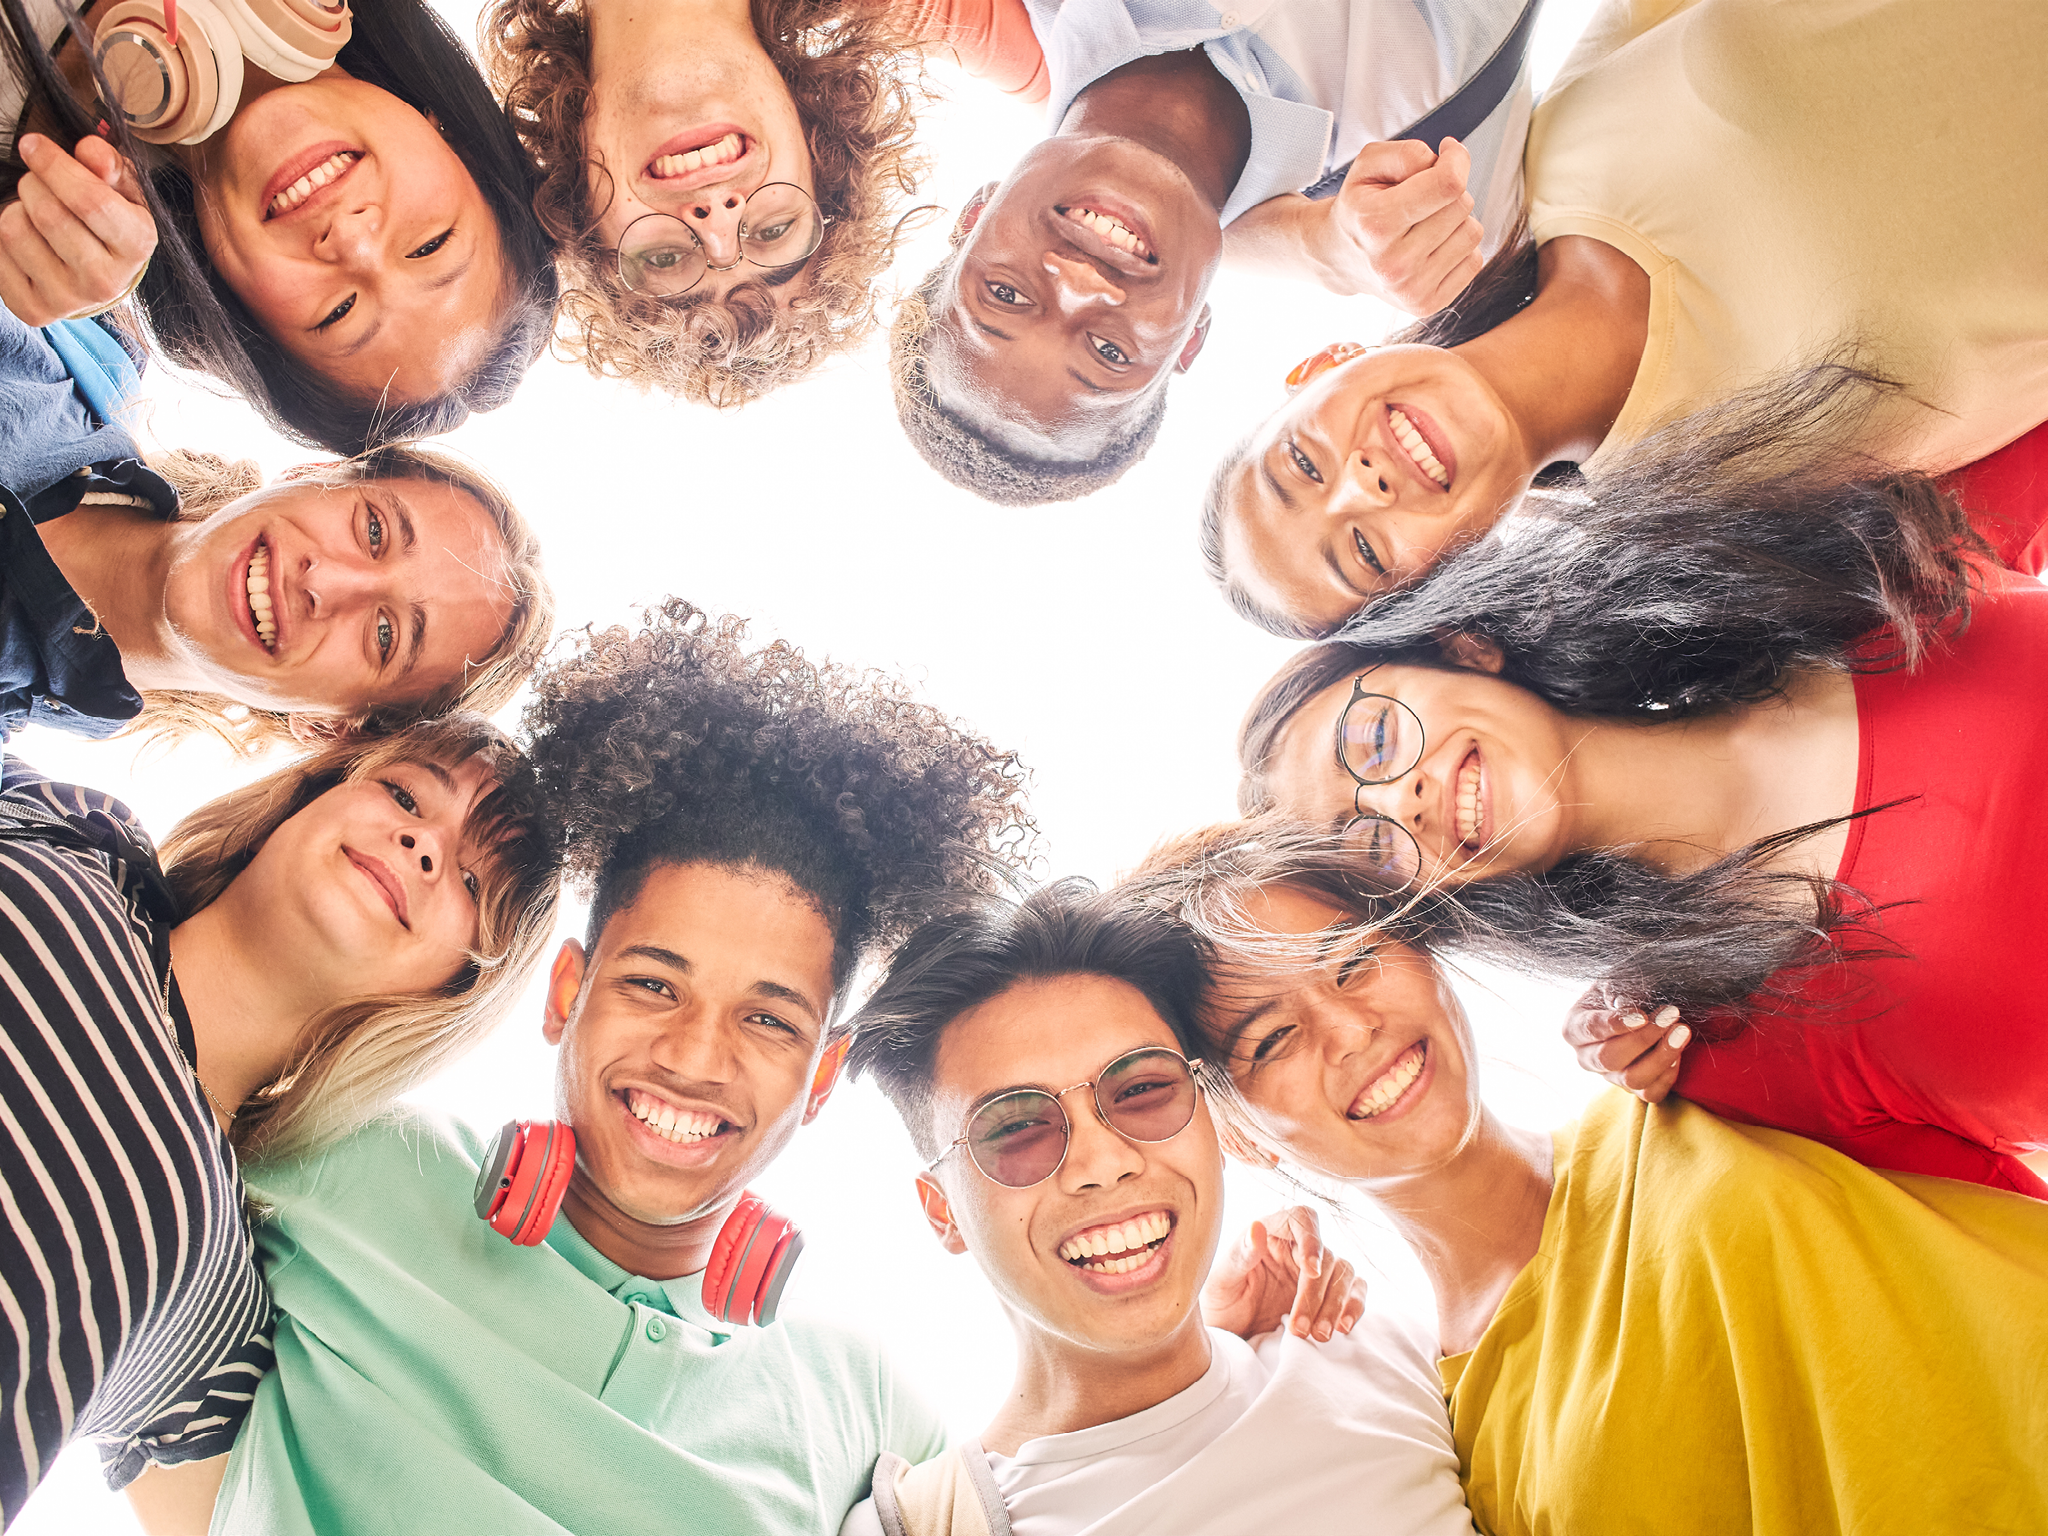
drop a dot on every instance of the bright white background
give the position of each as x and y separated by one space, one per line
1084 636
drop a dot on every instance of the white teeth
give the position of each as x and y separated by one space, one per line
722 152
1392 1083
1417 448
670 1123
1468 801
260 610
1112 230
321 174
1119 1247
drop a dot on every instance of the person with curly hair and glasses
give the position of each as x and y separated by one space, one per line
725 179
348 245
749 827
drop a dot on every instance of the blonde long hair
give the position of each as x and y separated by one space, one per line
206 483
354 1059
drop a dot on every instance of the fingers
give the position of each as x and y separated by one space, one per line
1328 1303
1416 231
1388 164
1631 1051
74 242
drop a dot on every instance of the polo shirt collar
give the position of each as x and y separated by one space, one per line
681 1298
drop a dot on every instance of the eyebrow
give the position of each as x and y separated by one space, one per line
1286 496
403 514
364 340
1086 382
1343 576
982 325
419 641
430 766
452 275
676 962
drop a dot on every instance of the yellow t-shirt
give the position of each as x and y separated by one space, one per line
1730 1329
1796 175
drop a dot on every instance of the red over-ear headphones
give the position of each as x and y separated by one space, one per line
521 1187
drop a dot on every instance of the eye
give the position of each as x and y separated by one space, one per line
403 797
1305 464
1270 1047
432 245
373 530
335 314
1365 553
772 233
385 637
471 884
653 984
1109 352
1359 956
1003 293
774 1023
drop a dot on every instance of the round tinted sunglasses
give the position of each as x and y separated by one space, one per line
1018 1137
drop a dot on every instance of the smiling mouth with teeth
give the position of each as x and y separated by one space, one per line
718 152
683 1126
1470 777
260 610
1112 230
327 170
1120 1247
1417 447
1385 1090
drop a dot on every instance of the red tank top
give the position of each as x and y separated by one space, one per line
1937 1061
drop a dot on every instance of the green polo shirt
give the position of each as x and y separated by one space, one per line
431 1376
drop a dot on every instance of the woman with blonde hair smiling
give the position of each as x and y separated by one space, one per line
1650 1320
176 592
307 948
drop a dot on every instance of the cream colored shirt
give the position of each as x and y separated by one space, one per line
1795 176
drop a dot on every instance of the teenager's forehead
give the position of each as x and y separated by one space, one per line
1045 1032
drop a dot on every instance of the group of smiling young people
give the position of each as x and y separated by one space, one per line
1669 589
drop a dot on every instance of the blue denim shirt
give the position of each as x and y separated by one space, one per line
1319 78
58 667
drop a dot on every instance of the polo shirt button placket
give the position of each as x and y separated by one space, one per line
657 1330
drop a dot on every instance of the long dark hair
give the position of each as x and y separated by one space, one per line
1695 572
198 322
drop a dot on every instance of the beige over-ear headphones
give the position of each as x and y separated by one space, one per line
174 67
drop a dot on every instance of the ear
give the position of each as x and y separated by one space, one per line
826 1078
565 980
1317 364
938 1210
969 215
1192 348
1475 653
1241 1148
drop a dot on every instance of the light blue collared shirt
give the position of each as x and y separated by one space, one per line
1320 78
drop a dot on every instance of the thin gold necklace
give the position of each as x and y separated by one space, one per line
191 1065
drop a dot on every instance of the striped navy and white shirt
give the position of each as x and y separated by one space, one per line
131 1309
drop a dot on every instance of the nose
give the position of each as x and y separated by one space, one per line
716 219
336 587
1097 1157
1077 284
353 239
697 1045
1337 1021
426 843
1363 480
1405 800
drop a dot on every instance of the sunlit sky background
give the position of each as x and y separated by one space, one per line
1084 636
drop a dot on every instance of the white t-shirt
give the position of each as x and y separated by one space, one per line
1290 1436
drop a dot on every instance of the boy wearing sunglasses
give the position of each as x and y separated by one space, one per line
1031 1050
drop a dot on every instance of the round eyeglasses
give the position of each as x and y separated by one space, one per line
663 256
1018 1137
1379 740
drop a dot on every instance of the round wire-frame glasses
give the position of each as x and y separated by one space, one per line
1018 1137
1378 740
663 256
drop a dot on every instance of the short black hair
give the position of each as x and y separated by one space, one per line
680 744
968 457
981 948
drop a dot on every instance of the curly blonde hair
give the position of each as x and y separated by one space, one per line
857 81
205 483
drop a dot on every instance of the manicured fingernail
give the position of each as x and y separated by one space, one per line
1666 1015
1677 1038
1634 1020
1323 1333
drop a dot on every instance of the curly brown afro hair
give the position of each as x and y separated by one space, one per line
680 744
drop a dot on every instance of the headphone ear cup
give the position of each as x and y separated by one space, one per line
292 39
170 93
520 1186
750 1263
